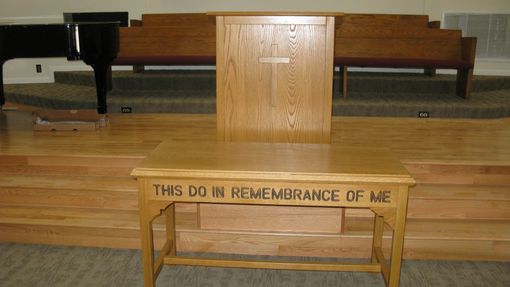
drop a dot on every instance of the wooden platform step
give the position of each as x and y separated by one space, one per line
92 165
77 198
339 246
460 192
121 194
438 229
487 174
98 183
78 226
71 226
71 188
187 220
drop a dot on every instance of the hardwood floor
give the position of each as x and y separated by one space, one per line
75 188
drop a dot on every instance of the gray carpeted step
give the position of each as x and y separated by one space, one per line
163 101
358 81
64 96
370 94
52 96
420 83
491 104
149 80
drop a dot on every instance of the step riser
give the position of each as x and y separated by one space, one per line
351 247
58 198
93 206
186 81
206 80
67 165
128 200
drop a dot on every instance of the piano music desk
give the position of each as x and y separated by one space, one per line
272 174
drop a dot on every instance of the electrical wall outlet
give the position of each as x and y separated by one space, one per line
424 114
38 68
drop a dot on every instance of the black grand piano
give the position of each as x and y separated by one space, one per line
96 43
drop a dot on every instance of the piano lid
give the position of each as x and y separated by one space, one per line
69 40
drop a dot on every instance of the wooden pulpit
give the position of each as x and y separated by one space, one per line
274 76
274 84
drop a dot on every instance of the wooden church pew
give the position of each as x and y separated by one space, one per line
168 39
403 41
361 40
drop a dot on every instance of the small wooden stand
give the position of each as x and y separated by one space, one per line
68 120
272 174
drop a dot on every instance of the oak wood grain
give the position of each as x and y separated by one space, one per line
457 163
280 102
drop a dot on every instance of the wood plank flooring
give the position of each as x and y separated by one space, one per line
75 188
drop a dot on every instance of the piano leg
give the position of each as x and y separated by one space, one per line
109 78
102 84
2 97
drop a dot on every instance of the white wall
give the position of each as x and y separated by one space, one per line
36 8
30 11
371 6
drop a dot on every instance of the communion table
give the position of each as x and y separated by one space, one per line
278 174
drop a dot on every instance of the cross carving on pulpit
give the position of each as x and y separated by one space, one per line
274 60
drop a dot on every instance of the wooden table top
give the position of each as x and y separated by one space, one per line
273 161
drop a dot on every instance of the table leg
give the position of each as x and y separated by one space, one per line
343 80
147 248
378 235
397 246
170 229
